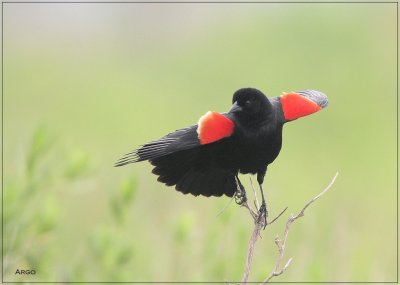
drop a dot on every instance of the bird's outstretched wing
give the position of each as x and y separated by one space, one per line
211 128
179 140
185 157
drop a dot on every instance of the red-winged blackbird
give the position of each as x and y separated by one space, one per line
205 159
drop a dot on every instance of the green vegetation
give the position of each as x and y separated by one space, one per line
86 83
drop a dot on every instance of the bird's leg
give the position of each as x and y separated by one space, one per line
263 211
241 198
240 194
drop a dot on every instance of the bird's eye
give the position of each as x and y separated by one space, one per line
247 103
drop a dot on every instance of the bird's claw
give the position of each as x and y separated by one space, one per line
240 197
262 215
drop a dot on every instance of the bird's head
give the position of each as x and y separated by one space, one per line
250 102
302 103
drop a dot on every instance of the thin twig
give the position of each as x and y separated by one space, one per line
252 213
281 244
316 197
277 217
226 206
255 194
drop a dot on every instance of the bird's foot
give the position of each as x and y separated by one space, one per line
262 215
240 197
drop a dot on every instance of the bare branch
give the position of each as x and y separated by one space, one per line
273 274
301 214
251 211
249 259
281 244
277 217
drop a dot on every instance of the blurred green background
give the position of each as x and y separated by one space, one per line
86 83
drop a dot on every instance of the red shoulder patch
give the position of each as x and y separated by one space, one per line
213 126
295 106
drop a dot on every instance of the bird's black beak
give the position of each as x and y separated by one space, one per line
235 108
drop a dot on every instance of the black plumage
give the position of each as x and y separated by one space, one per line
209 169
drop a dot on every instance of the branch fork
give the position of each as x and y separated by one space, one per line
280 243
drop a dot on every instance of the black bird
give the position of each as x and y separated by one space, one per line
206 158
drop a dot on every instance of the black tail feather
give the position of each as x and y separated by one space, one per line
193 173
